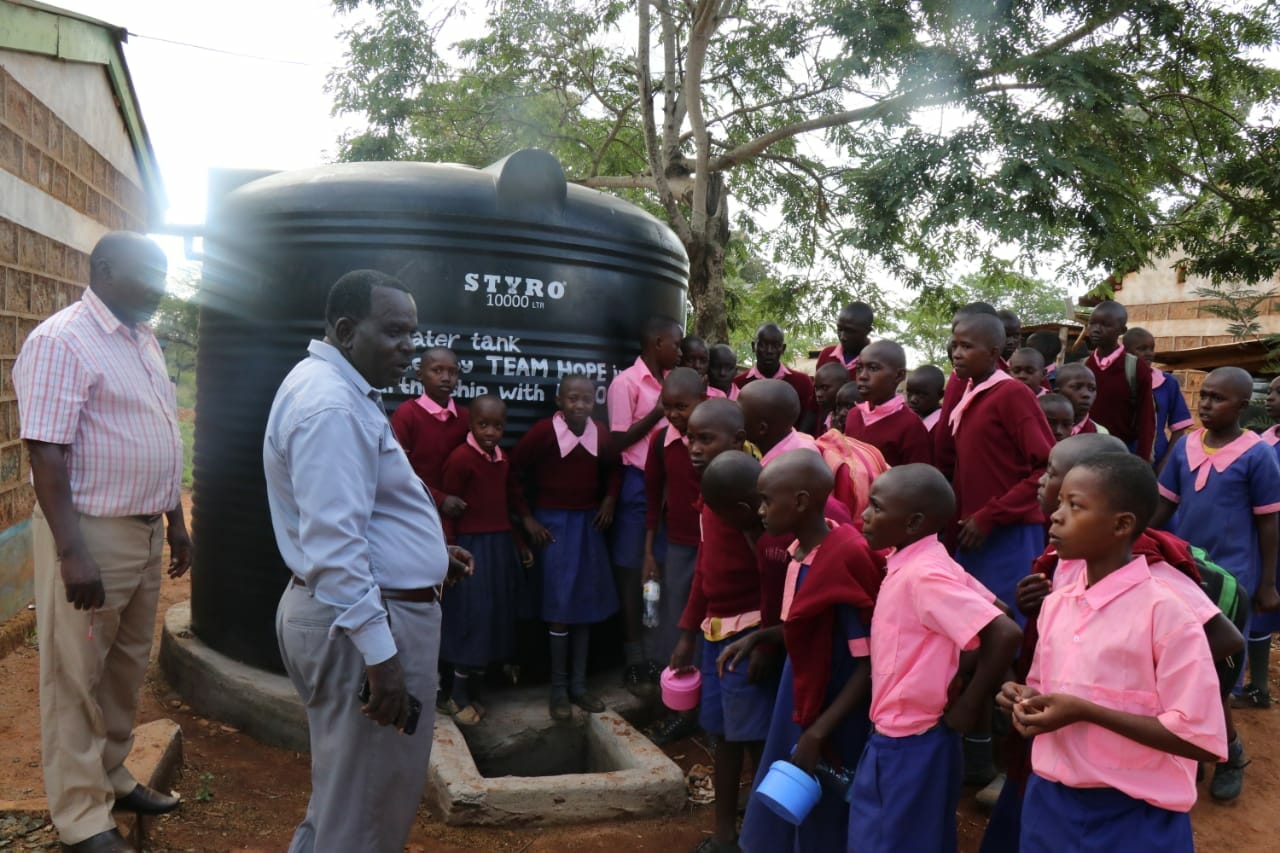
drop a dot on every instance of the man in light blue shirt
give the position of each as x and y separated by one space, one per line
363 539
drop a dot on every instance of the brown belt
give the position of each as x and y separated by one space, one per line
425 594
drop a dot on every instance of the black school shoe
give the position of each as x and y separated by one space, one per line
672 729
1252 696
1228 776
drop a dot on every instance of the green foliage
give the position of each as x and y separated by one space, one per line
859 139
1241 305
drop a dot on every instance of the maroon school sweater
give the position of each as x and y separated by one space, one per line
492 495
577 481
835 354
797 380
901 437
1114 408
944 458
428 442
726 577
671 490
1000 452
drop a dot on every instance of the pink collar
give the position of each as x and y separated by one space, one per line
872 413
754 372
1157 378
568 441
791 441
899 557
672 436
1075 430
1221 459
852 363
1106 361
437 411
1271 436
712 391
484 454
931 419
970 392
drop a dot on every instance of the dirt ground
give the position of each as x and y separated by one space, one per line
241 795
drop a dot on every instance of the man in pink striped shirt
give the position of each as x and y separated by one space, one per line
100 422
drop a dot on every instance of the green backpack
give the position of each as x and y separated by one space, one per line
1220 585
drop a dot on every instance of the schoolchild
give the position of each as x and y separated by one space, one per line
479 616
1125 405
695 355
1170 562
846 398
1059 412
671 492
943 447
1220 489
853 330
722 367
1173 419
726 603
1257 692
823 697
1012 333
882 418
1026 365
828 379
924 394
1049 346
927 612
1076 382
769 346
569 462
1120 698
635 414
430 427
770 408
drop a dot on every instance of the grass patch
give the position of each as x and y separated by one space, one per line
188 431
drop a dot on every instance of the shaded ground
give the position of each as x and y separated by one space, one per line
241 795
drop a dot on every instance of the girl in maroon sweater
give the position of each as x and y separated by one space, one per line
479 616
430 427
573 469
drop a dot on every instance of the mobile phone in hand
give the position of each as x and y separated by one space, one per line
415 708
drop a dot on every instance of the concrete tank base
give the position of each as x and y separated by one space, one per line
262 704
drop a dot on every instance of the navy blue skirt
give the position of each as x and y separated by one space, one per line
1061 819
577 581
479 613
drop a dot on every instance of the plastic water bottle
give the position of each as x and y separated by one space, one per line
652 592
836 782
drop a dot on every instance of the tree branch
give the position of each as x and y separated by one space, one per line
657 171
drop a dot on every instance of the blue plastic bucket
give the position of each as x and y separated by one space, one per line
789 792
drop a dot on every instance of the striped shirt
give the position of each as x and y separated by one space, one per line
86 380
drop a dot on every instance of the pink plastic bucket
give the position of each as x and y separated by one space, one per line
680 690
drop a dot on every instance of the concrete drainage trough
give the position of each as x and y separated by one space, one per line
519 768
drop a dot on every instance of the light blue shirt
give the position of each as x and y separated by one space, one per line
350 515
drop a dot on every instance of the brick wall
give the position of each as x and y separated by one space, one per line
39 276
38 147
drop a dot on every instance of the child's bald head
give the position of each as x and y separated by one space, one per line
907 503
729 489
715 426
770 408
793 490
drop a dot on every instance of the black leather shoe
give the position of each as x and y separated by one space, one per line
144 800
110 841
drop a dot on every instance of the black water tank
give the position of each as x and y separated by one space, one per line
522 275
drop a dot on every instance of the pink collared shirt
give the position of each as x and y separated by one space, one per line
927 612
716 393
931 419
566 440
1097 427
496 456
793 440
754 372
437 411
1107 360
1188 591
970 393
86 380
872 413
1270 436
632 394
673 435
1130 644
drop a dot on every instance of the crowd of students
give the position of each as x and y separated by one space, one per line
875 568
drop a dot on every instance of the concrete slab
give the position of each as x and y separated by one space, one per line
632 778
262 704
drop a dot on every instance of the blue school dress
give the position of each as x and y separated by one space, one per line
1004 559
1098 820
478 614
577 581
1171 413
1264 624
827 826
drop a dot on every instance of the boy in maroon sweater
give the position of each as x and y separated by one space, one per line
828 379
1077 384
430 427
943 448
882 418
768 346
671 496
1126 408
853 328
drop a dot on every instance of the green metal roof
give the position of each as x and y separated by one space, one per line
33 27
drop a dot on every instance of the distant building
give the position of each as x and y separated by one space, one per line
75 162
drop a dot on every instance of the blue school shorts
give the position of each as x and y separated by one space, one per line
1060 819
732 707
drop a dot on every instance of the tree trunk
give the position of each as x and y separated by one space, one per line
706 266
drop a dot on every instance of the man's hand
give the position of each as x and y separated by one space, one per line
461 565
179 550
82 578
971 537
1030 593
388 703
452 506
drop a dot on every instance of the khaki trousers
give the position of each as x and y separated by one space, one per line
92 665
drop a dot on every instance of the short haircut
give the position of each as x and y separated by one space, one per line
974 308
1130 485
891 353
723 351
1055 399
1134 335
729 478
433 352
987 327
352 295
1073 370
1047 343
657 326
719 412
684 380
930 373
834 368
1073 450
488 400
576 377
925 490
1031 353
1115 309
859 311
692 340
1006 315
770 327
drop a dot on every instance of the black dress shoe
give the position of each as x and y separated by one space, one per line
144 800
110 841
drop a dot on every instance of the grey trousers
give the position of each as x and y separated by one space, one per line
366 779
677 580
